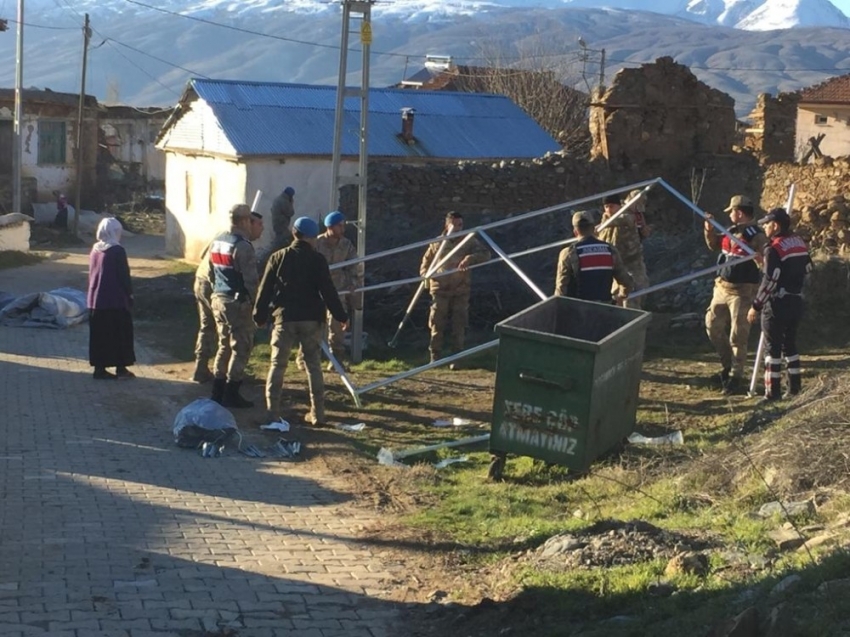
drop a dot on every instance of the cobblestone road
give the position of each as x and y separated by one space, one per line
107 528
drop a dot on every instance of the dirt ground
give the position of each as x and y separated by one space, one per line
677 393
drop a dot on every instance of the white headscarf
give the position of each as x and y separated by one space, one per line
108 234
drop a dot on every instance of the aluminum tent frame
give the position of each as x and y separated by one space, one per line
481 231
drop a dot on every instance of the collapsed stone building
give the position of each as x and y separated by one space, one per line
660 115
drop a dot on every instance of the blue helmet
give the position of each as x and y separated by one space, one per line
307 227
289 190
333 218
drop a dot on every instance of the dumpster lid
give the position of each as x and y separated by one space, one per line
575 319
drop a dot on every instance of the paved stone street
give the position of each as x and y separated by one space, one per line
107 528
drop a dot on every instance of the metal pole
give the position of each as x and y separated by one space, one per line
418 370
504 222
602 73
339 369
340 105
80 136
17 139
522 275
436 263
362 190
257 198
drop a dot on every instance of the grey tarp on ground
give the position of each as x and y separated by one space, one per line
56 309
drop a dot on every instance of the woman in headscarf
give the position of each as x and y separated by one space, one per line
110 300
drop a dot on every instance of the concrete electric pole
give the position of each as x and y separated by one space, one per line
80 110
362 10
17 138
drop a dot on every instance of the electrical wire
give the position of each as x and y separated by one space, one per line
42 26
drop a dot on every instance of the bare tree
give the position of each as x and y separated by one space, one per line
539 77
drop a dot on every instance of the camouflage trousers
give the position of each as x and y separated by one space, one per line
443 305
207 340
235 325
285 336
727 326
638 272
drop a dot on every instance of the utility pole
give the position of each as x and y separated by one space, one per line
78 195
17 138
363 10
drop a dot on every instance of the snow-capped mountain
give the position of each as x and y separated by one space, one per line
749 15
143 51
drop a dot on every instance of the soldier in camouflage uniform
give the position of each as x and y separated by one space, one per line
234 277
624 233
336 248
450 293
734 291
207 339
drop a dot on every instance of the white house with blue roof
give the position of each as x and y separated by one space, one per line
228 139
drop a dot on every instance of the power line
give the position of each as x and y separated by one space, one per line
41 26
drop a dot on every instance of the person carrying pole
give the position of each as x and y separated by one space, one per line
450 293
297 291
625 233
780 301
588 269
734 290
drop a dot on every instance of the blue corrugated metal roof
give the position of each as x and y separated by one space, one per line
298 119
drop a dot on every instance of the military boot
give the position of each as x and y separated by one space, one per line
232 397
218 389
202 373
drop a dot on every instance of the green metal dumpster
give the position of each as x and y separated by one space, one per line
567 381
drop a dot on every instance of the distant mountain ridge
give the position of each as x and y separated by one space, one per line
741 63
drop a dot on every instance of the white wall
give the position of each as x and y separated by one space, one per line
837 129
212 186
52 176
14 232
310 177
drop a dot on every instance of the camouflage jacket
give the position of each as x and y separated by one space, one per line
456 282
345 278
623 234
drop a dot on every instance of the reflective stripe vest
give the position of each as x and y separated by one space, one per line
743 272
596 271
227 279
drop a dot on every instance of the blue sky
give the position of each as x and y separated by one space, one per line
844 5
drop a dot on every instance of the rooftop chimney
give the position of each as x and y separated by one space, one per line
407 115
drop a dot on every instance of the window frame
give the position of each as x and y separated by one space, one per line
52 151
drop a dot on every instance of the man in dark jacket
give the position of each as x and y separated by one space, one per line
587 269
780 301
296 289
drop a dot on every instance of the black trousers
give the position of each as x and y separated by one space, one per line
780 320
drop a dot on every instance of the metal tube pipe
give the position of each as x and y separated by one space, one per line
339 369
497 224
424 368
689 277
513 266
257 197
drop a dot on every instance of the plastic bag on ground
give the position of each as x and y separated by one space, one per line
202 421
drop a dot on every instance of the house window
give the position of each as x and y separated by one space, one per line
821 120
51 142
188 192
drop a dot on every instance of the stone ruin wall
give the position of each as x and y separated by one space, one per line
821 204
772 135
660 115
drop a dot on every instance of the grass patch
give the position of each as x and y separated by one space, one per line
16 259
